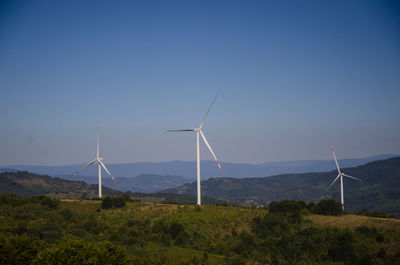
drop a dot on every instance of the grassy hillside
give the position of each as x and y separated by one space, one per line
44 231
377 191
28 184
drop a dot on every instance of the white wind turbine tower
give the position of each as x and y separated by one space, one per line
199 132
341 175
98 159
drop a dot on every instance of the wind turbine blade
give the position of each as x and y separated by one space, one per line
105 168
85 166
333 181
351 177
209 147
184 130
209 108
334 157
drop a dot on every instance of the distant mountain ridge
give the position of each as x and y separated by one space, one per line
146 183
209 168
378 190
2 170
27 184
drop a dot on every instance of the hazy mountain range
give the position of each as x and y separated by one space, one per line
378 190
143 183
27 184
209 169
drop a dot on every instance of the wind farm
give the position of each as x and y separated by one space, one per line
241 176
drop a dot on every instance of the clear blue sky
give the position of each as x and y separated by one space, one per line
295 76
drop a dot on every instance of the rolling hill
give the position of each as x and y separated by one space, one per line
146 183
378 190
27 184
187 169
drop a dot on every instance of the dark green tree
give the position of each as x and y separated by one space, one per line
19 249
329 207
71 252
107 203
118 202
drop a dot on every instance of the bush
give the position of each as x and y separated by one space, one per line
67 214
311 206
91 225
342 248
273 224
286 206
175 229
109 202
380 238
118 202
381 254
329 207
80 252
46 201
51 236
11 199
106 203
127 198
19 249
178 233
365 230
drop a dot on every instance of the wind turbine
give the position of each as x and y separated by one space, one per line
199 132
341 175
98 159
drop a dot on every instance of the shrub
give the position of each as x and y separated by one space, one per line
329 207
91 225
342 248
311 206
51 236
274 224
178 233
46 201
67 214
381 254
367 230
19 249
118 202
80 252
285 206
159 227
127 198
175 229
380 238
107 203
